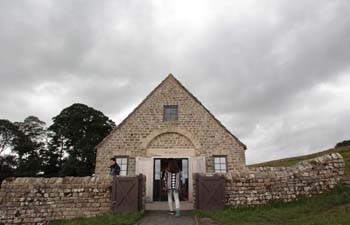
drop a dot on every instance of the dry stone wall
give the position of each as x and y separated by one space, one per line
261 185
38 200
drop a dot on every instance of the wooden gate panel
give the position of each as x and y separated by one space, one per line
127 194
210 192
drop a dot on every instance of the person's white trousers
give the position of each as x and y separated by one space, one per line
174 193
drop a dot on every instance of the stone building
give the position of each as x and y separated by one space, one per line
170 123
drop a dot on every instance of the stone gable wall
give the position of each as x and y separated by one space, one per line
261 185
171 140
38 200
129 137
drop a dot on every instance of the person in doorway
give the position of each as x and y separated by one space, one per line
114 167
172 186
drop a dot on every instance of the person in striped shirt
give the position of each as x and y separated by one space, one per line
172 178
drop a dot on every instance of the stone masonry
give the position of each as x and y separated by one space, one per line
171 140
261 185
38 200
196 128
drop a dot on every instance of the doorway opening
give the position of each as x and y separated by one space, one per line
160 164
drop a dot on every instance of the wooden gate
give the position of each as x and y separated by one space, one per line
210 192
127 193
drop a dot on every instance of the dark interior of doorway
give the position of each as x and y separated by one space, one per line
160 164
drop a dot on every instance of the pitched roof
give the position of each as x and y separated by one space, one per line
170 76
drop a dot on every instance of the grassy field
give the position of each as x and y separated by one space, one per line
344 151
330 209
108 219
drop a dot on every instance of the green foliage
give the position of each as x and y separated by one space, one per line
9 135
343 144
330 208
33 142
108 219
76 131
25 153
7 166
52 156
8 139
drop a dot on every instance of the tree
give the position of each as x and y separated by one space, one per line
35 129
8 141
27 141
8 135
32 142
75 133
13 139
53 155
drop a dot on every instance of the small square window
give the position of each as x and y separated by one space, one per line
220 165
122 161
217 167
223 160
170 113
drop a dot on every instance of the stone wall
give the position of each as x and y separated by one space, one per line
261 185
38 200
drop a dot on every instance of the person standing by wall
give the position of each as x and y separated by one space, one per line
114 167
172 178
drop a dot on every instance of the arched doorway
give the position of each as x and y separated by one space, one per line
161 145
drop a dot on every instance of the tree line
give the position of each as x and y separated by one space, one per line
65 148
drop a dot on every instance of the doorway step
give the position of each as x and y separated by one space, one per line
163 206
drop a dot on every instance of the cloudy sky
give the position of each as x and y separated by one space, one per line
276 73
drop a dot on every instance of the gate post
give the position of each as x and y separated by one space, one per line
196 190
114 193
141 179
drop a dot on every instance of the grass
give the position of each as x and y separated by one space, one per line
107 219
344 151
328 209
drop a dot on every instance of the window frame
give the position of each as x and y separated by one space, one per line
220 156
120 165
165 118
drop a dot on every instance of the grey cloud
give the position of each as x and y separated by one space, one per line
251 66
